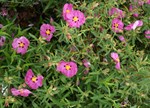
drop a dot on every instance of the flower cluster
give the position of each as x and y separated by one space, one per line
117 13
118 25
134 25
133 9
32 81
74 18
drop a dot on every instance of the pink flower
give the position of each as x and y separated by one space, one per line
67 10
117 25
121 38
69 69
86 71
147 34
1 25
51 20
21 44
32 81
115 57
148 1
76 19
4 12
21 92
46 31
140 2
134 25
134 10
128 27
2 40
86 63
117 13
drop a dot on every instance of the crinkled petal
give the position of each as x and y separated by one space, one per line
40 80
117 66
15 92
128 27
61 66
29 76
25 93
137 24
33 85
114 56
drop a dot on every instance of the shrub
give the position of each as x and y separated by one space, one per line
95 56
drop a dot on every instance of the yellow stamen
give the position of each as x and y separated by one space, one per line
67 67
48 32
75 19
116 25
21 44
21 91
34 79
117 60
67 11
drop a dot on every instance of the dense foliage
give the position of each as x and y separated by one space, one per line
106 57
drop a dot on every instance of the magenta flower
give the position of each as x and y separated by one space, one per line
117 13
117 25
20 44
46 31
134 25
67 10
140 2
133 9
115 57
76 19
32 81
2 40
21 92
86 63
69 69
86 71
121 38
147 34
4 12
148 1
51 20
1 25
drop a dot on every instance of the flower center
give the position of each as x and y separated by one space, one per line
21 44
67 11
75 19
68 67
34 79
116 25
21 91
48 32
117 60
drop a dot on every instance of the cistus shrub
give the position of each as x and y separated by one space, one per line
75 54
